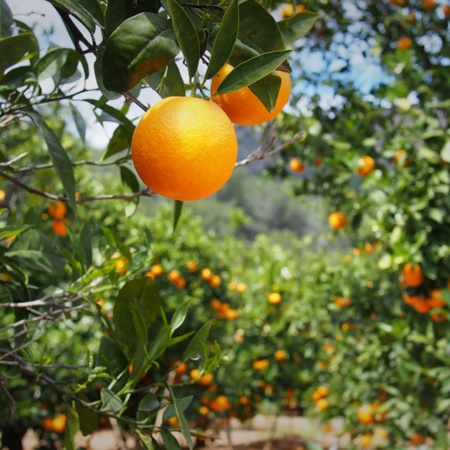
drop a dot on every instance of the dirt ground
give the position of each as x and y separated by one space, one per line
263 433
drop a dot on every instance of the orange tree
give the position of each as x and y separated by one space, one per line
72 271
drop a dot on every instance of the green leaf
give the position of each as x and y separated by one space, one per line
297 26
195 346
142 45
129 178
167 82
13 48
179 315
186 34
119 142
88 419
159 343
80 124
445 152
98 70
61 161
110 401
267 90
86 243
111 356
58 63
252 70
6 20
145 439
143 290
258 29
72 426
179 406
225 40
149 403
82 10
170 443
177 208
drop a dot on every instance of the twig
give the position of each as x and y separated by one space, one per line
11 401
265 151
142 193
129 97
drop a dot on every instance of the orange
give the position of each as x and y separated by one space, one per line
274 298
206 274
400 158
337 220
47 423
404 43
412 274
296 165
429 4
220 404
322 404
192 266
180 367
243 107
155 271
365 414
417 438
261 364
215 281
366 439
57 210
318 161
59 423
59 227
446 10
288 10
203 410
280 355
436 300
184 148
366 164
204 380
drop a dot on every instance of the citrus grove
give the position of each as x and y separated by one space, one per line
122 305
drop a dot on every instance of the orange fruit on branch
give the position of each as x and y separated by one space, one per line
242 106
57 210
366 164
184 148
412 274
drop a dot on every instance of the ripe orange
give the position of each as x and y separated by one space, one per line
59 227
366 439
400 158
366 164
59 423
429 4
417 438
184 148
296 165
337 220
436 300
261 364
404 43
242 106
192 266
280 355
57 210
274 298
365 414
322 404
412 274
288 10
220 404
155 271
446 10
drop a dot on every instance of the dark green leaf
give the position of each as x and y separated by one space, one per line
119 141
110 401
149 403
111 356
142 45
113 114
145 439
88 419
186 34
159 343
195 346
13 48
86 243
297 26
59 63
167 82
177 208
79 122
98 70
129 178
179 406
267 90
6 19
60 159
252 70
144 291
224 42
258 29
72 426
170 443
80 10
179 315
